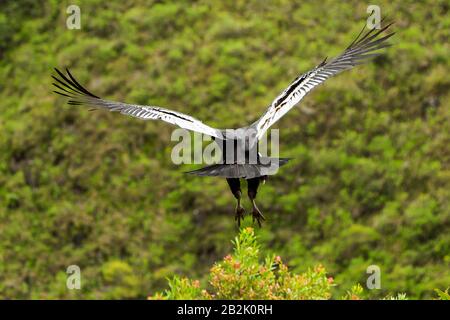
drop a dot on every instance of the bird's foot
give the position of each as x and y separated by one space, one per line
240 211
257 216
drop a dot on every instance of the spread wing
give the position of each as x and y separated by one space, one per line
69 87
362 49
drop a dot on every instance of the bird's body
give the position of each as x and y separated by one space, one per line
241 158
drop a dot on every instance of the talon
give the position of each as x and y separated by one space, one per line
258 216
240 211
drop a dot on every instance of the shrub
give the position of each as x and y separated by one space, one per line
242 275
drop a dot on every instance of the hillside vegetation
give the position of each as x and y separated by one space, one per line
369 183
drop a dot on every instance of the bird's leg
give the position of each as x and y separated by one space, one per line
240 211
253 185
235 187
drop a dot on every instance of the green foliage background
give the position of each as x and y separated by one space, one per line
370 183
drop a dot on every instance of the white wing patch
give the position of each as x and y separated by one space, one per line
156 113
284 102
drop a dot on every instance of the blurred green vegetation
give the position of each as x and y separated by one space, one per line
370 183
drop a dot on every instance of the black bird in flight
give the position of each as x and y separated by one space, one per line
244 140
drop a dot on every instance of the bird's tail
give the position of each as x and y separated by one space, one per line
247 171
